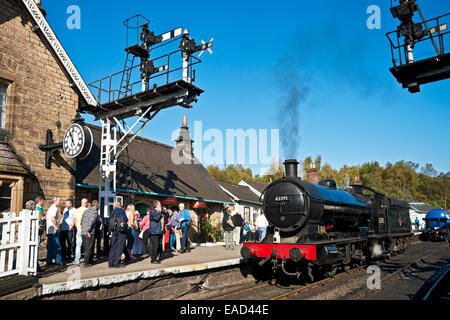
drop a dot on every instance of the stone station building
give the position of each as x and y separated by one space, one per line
36 94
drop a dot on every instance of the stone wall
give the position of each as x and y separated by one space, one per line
161 288
38 95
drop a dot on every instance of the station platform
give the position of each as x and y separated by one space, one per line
75 277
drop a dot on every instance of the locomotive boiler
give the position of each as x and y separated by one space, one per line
320 228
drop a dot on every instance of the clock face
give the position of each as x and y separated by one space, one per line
74 140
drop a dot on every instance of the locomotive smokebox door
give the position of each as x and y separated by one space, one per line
285 206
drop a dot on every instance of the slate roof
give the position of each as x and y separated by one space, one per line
9 162
241 192
260 186
422 207
151 169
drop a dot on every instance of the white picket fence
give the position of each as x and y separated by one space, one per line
19 243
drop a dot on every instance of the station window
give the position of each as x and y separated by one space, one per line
255 216
247 214
5 196
2 106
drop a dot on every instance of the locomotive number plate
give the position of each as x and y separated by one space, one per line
281 198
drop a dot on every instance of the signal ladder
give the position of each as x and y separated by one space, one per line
108 166
125 87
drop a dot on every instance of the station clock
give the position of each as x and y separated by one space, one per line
77 141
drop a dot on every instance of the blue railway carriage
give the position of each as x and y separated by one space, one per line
437 225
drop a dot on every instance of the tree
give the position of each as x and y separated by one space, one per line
276 171
318 162
429 170
307 163
327 171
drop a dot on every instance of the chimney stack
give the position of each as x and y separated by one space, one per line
312 174
357 180
290 168
184 141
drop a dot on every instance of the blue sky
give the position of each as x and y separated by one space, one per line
351 108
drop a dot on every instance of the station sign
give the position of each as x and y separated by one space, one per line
198 205
169 200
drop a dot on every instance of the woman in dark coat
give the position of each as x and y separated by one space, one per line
155 231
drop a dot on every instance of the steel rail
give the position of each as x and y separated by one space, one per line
317 284
320 283
241 290
440 275
361 294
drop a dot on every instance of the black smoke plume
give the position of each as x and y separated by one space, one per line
293 92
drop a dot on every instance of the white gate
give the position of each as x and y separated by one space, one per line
19 243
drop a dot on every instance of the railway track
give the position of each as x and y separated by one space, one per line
239 291
267 290
395 275
437 287
318 284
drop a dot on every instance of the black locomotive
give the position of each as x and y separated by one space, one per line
320 228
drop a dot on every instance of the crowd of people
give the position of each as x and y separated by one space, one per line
124 233
126 236
237 229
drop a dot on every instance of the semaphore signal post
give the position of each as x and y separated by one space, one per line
140 91
147 84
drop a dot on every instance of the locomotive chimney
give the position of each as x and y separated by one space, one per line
312 174
290 168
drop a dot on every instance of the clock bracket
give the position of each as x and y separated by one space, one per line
52 148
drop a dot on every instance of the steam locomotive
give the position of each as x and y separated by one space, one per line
320 229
